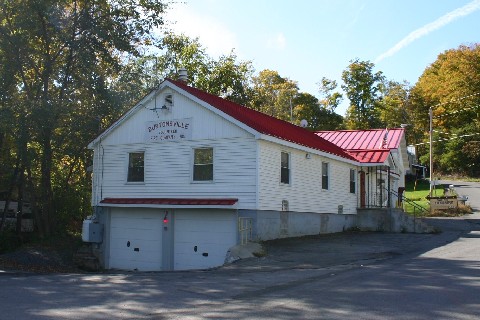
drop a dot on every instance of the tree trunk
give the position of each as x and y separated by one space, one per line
9 197
33 203
21 188
46 184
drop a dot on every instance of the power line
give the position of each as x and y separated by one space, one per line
465 135
454 112
455 100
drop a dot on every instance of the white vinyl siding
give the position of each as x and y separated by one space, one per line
168 171
306 194
205 123
169 164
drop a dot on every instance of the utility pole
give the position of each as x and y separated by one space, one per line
431 150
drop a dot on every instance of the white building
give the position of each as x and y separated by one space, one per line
173 177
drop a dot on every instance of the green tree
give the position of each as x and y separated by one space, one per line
273 94
317 115
362 87
226 77
63 56
392 106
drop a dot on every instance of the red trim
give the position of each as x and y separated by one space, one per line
172 201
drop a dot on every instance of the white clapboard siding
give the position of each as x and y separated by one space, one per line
205 123
304 193
169 166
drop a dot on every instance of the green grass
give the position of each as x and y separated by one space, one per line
417 192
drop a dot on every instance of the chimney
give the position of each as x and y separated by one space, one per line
183 75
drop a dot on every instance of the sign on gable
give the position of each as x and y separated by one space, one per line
168 130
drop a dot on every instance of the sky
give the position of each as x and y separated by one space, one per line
305 40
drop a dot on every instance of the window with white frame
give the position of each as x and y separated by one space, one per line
325 169
352 181
285 168
136 167
203 164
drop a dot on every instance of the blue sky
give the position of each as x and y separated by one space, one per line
305 40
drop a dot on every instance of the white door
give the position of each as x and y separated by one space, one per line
202 237
136 239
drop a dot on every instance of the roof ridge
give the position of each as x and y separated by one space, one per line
264 123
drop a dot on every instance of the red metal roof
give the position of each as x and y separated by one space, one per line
364 139
378 156
366 146
172 201
266 124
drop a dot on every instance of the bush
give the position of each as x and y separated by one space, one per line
9 241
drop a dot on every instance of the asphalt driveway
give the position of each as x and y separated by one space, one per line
336 276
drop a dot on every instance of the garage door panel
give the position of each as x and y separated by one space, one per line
135 234
213 232
204 237
122 244
140 221
142 228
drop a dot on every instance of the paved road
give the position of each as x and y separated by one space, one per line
340 276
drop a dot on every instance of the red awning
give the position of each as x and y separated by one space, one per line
171 201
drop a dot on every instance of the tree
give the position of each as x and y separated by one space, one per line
392 106
362 87
62 56
330 99
273 94
226 77
450 87
317 115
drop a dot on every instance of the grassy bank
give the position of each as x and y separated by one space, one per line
417 191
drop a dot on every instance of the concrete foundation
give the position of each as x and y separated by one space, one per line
390 220
268 225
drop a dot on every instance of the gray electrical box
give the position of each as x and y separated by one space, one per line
92 231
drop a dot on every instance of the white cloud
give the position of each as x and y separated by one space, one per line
278 41
212 34
428 28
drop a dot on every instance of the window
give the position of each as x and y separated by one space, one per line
203 164
136 167
352 181
285 168
325 175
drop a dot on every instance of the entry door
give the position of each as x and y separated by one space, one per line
136 239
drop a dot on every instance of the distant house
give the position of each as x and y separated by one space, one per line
179 179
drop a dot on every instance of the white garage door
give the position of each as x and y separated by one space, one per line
136 239
202 237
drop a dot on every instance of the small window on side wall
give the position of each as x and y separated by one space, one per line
136 165
203 164
325 173
285 168
352 181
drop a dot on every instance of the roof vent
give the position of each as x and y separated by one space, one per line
183 75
